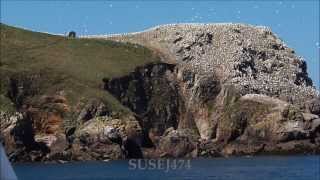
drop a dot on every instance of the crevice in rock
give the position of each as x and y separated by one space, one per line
20 87
133 150
150 93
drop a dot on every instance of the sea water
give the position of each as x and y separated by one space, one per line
235 168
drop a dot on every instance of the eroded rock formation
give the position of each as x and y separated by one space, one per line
219 90
239 86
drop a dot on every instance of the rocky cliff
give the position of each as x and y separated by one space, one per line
243 89
217 90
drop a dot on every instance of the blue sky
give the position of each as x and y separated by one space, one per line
295 22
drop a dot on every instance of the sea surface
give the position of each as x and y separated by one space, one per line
235 168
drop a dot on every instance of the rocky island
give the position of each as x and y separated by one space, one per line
172 91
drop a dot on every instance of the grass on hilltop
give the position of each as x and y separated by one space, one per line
76 66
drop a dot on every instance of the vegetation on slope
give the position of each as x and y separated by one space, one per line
72 66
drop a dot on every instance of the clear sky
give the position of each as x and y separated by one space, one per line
295 22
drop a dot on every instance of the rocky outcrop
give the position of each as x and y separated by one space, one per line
93 108
313 106
151 93
106 138
219 90
228 123
18 136
238 85
251 58
36 132
178 144
270 125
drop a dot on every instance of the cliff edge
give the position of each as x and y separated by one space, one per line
185 90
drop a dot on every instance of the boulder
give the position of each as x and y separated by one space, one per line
56 143
112 134
104 137
309 117
313 106
178 143
315 126
9 121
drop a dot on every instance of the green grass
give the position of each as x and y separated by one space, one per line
72 65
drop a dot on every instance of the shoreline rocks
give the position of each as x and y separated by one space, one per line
226 90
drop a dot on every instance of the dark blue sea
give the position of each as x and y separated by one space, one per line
235 168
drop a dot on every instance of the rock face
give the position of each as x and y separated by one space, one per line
178 144
236 84
219 90
253 59
270 125
313 106
106 138
151 93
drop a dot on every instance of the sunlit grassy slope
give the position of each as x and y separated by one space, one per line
73 66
